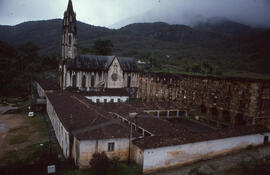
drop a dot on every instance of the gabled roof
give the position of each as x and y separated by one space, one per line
102 63
189 137
75 112
48 84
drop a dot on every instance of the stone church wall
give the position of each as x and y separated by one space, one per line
115 68
222 101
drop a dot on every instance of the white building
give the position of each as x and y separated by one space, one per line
75 122
83 126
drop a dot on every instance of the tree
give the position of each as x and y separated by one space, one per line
102 47
100 162
196 68
27 56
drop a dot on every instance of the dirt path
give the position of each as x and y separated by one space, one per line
17 132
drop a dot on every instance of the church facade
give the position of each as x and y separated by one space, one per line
92 72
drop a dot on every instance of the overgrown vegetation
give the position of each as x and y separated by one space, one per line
102 47
259 167
18 65
100 163
123 169
35 158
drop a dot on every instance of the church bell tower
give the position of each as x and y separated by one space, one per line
69 42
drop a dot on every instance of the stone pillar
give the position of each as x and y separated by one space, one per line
220 118
148 88
177 113
96 79
186 114
208 113
168 114
158 114
68 79
234 120
255 89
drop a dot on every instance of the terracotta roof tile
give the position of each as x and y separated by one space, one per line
189 137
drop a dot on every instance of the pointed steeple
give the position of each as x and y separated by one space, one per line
70 6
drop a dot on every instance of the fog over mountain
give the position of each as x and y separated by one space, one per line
118 13
254 13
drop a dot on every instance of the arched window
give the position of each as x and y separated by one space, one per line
203 109
214 113
74 81
100 76
129 81
92 81
226 117
69 39
84 81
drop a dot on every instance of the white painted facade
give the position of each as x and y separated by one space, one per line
115 69
102 79
165 157
102 99
83 150
61 133
40 90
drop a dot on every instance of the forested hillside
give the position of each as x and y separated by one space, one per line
217 47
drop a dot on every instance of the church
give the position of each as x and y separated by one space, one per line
153 134
92 72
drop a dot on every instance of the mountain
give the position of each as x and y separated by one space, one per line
223 43
46 34
223 26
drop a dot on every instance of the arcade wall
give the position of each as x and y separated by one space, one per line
219 101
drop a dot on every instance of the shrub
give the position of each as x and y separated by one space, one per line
100 162
115 163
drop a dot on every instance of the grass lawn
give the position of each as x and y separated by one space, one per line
261 167
27 155
36 159
32 129
123 169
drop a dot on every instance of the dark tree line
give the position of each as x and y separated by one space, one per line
102 47
18 64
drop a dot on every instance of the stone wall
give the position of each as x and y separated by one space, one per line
221 101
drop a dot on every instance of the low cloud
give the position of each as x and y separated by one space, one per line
121 12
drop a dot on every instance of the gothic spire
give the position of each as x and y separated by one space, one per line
70 6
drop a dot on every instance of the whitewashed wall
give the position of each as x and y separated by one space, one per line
119 72
137 155
98 78
165 157
61 133
40 91
108 98
134 79
88 147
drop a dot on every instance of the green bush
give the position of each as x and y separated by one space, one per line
100 163
115 162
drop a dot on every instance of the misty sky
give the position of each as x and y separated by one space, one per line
116 13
